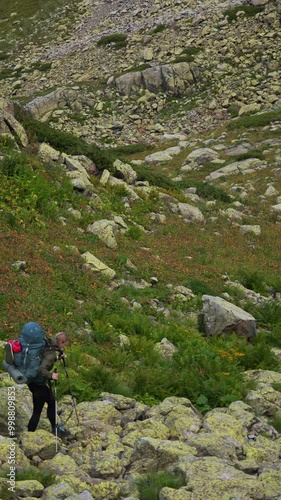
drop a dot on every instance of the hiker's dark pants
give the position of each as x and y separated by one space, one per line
41 394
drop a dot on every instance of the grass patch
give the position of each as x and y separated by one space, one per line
118 39
63 141
159 29
135 69
131 149
188 54
161 180
249 11
256 120
43 476
275 421
151 484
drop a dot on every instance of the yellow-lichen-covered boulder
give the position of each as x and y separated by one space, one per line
11 455
164 452
221 424
98 416
58 491
41 443
212 478
147 428
29 487
270 478
106 490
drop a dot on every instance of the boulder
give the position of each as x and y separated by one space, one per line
221 317
43 105
105 230
174 79
9 124
95 265
41 443
125 171
166 349
190 213
238 167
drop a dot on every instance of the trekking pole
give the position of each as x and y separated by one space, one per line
56 411
70 390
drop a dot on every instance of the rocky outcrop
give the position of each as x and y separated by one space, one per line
238 167
42 106
175 79
227 451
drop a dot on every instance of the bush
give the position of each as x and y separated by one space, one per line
15 164
150 485
275 421
256 120
249 10
204 189
198 287
28 190
252 280
44 476
188 54
134 232
159 28
117 38
267 314
64 141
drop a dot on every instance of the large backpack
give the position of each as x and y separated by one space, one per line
23 356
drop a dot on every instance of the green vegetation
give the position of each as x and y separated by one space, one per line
256 120
159 29
249 11
161 180
26 193
57 290
63 141
134 69
43 476
118 40
276 422
149 486
188 54
31 20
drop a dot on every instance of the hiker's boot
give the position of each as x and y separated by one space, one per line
63 433
60 432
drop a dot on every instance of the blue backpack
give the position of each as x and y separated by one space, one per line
32 341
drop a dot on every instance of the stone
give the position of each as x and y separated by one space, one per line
190 213
105 230
255 229
95 265
221 317
166 348
39 443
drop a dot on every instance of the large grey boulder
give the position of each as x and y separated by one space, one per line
44 105
221 316
175 79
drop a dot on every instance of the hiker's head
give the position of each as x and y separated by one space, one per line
62 340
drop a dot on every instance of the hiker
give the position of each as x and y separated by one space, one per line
42 390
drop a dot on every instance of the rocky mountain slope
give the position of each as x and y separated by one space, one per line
193 88
232 56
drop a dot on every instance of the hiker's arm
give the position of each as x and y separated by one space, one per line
46 365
